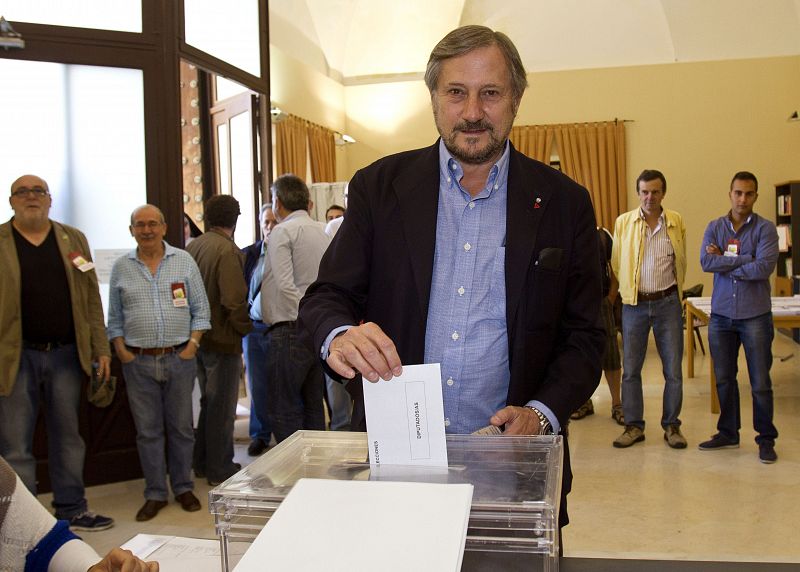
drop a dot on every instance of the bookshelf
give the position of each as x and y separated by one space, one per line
787 220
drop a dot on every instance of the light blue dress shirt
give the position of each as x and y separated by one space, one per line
254 290
466 330
140 306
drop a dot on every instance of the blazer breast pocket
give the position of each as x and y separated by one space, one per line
549 259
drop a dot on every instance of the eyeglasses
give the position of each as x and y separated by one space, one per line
151 224
25 192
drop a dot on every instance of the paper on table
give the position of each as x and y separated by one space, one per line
177 554
405 418
143 545
386 526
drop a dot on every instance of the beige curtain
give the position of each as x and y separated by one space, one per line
323 154
291 146
593 154
535 141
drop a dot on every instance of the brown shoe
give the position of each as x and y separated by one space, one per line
673 437
188 501
150 509
631 436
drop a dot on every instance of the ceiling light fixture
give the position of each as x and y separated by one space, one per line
8 37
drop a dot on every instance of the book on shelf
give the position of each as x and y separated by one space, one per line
789 269
784 237
784 205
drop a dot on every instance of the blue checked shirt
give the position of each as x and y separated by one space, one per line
466 330
741 283
140 307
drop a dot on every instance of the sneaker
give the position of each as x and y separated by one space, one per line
616 415
766 453
631 435
718 442
673 437
583 411
90 522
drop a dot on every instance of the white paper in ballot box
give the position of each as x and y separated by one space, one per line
405 418
352 526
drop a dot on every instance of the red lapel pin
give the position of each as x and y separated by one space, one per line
536 205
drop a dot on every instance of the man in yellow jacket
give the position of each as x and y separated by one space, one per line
649 259
51 330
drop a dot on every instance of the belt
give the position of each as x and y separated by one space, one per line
650 296
43 347
276 325
156 351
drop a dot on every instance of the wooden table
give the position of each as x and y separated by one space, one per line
781 318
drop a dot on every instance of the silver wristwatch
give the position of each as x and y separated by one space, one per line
545 428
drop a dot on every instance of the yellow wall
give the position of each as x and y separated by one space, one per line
301 90
697 122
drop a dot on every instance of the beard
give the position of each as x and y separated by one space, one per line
471 153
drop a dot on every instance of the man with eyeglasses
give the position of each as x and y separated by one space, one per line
51 331
157 313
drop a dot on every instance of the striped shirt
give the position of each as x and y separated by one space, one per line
140 305
658 258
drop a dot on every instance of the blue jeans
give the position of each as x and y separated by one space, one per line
256 348
218 374
56 378
296 385
160 394
664 317
724 338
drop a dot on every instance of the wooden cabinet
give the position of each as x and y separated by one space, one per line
787 198
783 286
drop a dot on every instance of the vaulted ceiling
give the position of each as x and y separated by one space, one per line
365 41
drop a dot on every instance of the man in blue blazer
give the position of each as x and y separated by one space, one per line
467 254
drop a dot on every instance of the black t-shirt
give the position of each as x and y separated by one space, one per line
46 303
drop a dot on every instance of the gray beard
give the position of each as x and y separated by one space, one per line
477 156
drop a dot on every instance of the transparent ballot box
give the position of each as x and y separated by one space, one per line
515 502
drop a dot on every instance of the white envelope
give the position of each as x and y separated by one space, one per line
405 418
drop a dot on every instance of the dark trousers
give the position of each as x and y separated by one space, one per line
295 384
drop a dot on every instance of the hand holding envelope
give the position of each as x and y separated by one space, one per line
366 349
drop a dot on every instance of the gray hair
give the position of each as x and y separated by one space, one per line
292 192
158 210
467 38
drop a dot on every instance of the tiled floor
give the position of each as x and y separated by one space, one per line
647 502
